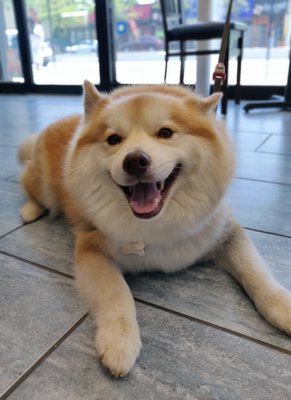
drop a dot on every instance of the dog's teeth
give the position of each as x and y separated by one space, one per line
162 185
156 202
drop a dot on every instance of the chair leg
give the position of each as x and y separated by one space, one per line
238 72
225 84
166 61
182 62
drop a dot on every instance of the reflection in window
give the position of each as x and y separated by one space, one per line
63 41
140 55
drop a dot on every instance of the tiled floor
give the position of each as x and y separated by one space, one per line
202 337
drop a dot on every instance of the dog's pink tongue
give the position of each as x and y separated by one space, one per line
145 197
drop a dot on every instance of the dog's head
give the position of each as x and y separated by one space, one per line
149 153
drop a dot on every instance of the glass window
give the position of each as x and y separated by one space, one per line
10 65
267 40
139 41
62 35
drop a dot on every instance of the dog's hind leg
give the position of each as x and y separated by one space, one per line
30 179
110 300
240 258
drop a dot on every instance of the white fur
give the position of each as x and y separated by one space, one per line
194 223
94 178
30 211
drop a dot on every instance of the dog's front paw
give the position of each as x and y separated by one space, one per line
118 345
275 306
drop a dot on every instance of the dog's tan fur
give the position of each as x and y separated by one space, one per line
71 168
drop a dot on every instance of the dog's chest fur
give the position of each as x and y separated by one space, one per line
174 254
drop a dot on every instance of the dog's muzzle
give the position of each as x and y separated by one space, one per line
146 198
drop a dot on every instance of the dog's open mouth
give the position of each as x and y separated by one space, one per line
147 198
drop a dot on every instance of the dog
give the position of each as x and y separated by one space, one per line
142 176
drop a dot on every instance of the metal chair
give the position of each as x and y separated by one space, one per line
281 102
175 30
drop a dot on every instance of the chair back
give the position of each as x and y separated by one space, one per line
172 13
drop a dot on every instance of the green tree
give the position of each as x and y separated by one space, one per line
122 8
52 10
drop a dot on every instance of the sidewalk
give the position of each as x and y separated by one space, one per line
147 67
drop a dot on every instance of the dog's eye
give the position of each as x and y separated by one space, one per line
113 139
165 133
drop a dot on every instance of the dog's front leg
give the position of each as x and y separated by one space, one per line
240 258
111 303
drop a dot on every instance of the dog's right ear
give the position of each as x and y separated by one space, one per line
209 103
91 98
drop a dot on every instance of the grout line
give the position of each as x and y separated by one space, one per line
11 179
215 326
42 358
262 180
37 265
10 146
257 132
12 231
71 276
263 142
267 232
275 153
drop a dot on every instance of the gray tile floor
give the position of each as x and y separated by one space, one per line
202 337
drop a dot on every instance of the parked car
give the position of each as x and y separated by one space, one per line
144 43
83 47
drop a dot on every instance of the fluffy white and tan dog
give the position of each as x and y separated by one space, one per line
142 177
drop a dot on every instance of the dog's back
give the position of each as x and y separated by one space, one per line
43 158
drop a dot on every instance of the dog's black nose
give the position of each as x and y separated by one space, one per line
136 163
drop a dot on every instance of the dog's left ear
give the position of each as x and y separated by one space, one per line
209 103
91 98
